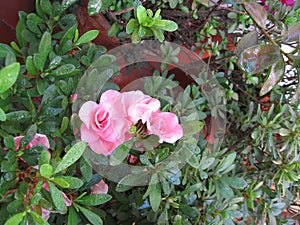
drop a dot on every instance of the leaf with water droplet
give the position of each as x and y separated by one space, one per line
247 41
259 57
94 7
275 75
8 76
71 157
65 71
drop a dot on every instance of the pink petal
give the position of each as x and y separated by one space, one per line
108 98
86 112
100 188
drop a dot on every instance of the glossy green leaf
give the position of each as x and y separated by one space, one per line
85 169
38 218
31 69
94 7
73 182
119 154
40 58
2 115
69 35
247 41
114 29
91 216
166 25
235 182
158 34
46 170
18 116
44 158
5 49
46 6
72 216
65 71
67 3
259 57
131 26
275 75
29 136
60 182
8 76
71 156
141 14
155 193
257 12
224 190
57 198
292 33
15 219
189 211
94 200
54 63
87 37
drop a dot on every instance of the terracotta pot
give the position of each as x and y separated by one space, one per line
9 17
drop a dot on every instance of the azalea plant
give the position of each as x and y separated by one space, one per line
215 142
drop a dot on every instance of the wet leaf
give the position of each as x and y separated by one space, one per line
65 71
87 37
16 219
94 7
275 75
91 216
259 57
94 200
247 41
8 76
57 198
257 12
2 115
71 157
46 170
67 3
292 34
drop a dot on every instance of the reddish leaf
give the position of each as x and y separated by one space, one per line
247 41
292 34
257 12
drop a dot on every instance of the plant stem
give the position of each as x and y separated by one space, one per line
268 36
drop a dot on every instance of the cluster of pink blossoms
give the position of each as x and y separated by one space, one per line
284 2
107 125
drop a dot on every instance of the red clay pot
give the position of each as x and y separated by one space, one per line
9 17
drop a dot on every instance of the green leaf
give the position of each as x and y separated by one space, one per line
258 12
72 216
30 66
223 189
192 127
29 136
131 26
155 196
93 200
71 156
46 170
69 35
65 71
5 49
37 218
189 211
114 29
18 116
235 182
166 25
141 14
85 169
54 63
119 154
61 182
259 57
67 3
91 216
2 115
87 37
94 7
73 182
15 219
8 76
275 75
292 33
57 198
158 34
40 58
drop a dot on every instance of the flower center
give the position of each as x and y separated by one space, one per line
138 130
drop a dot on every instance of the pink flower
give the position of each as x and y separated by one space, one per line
287 2
100 188
99 130
39 139
166 126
